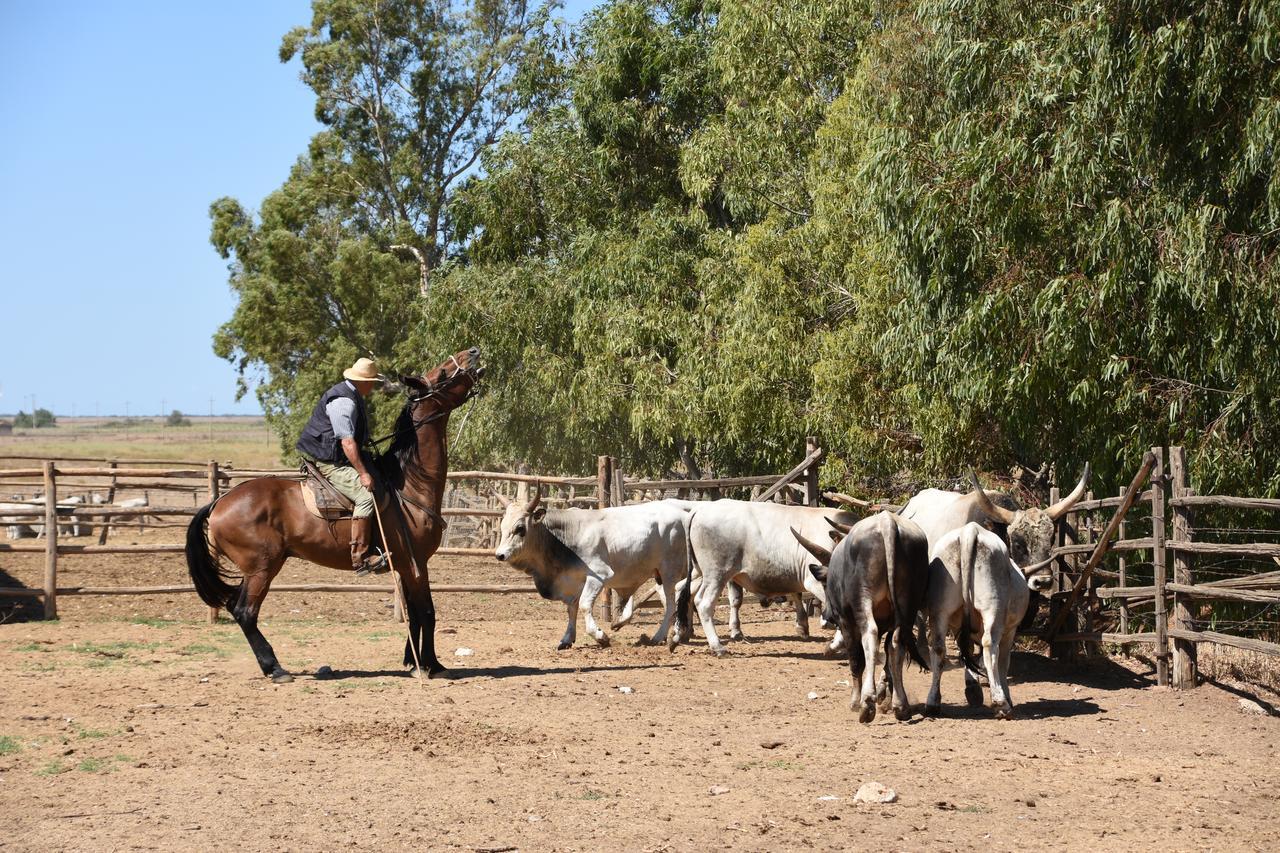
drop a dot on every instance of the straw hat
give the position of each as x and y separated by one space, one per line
364 370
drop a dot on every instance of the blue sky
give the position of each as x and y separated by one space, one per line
119 123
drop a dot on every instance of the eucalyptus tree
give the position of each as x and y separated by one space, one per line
340 259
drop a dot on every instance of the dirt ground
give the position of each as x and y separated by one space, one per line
131 724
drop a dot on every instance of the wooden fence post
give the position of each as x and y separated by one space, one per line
617 497
1124 602
1059 650
1158 559
812 494
1091 602
603 490
1184 651
111 498
50 543
214 490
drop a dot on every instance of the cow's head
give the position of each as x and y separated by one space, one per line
819 570
526 544
516 524
1031 531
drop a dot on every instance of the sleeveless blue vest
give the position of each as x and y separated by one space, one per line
318 440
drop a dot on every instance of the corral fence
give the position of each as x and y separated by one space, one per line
472 508
1155 565
1161 566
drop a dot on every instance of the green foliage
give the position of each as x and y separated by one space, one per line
936 236
41 418
177 419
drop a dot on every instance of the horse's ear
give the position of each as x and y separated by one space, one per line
415 383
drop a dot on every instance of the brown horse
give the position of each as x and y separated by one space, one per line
261 523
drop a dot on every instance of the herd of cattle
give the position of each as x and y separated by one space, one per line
964 564
18 517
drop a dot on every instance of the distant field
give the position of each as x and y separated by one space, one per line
244 441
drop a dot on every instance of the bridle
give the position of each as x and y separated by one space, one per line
434 390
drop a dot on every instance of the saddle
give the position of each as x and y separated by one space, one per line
320 497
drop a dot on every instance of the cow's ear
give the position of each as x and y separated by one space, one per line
537 515
819 573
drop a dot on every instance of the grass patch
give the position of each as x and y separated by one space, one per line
9 745
32 647
592 794
53 768
204 649
152 621
974 809
83 733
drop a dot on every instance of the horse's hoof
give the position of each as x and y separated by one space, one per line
439 671
1003 712
973 693
902 714
802 633
867 712
279 676
603 640
835 651
737 636
564 644
933 710
720 651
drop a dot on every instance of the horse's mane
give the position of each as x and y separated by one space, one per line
403 451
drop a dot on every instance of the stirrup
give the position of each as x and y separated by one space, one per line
375 564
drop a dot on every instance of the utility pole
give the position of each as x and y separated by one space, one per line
210 420
162 402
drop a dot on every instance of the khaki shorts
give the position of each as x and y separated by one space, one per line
346 480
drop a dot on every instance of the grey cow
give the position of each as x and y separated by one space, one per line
974 588
746 545
574 554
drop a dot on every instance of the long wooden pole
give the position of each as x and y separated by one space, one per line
50 542
1158 557
1184 650
1124 603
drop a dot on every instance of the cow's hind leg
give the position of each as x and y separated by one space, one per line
866 674
896 651
1001 674
735 612
253 589
937 655
706 603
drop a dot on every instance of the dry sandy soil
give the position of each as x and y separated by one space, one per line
132 724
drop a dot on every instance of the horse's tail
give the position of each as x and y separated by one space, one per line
206 572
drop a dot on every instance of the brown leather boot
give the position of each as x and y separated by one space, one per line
360 529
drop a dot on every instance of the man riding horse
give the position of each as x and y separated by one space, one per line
332 440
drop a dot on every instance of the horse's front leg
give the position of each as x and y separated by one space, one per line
420 647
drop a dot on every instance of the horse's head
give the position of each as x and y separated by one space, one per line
446 386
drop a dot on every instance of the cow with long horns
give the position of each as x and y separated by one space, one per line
575 554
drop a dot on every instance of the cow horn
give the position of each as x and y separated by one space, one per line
836 536
842 528
537 496
1060 508
823 555
502 499
996 513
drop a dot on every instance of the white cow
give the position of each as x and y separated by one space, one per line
975 588
749 543
574 554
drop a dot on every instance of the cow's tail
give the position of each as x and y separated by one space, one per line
906 621
964 637
684 618
206 572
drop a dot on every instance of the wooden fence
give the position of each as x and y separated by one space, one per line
53 478
1167 549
